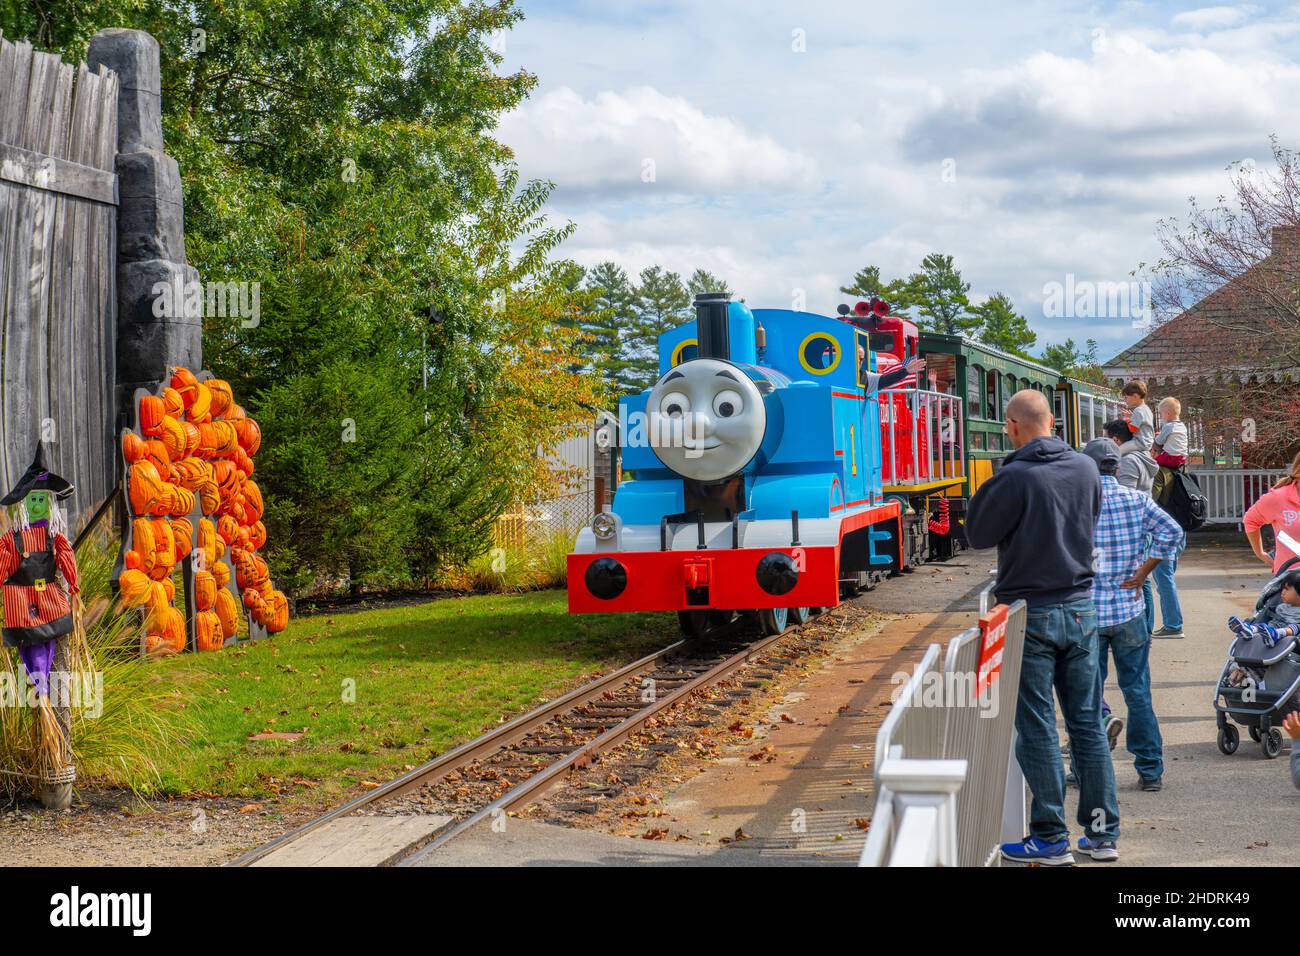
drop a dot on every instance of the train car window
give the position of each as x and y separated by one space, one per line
882 342
994 442
974 375
991 405
977 440
1007 392
819 353
687 350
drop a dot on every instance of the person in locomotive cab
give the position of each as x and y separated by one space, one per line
877 381
1040 511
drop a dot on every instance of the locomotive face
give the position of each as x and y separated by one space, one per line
707 419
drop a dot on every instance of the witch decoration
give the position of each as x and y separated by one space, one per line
37 609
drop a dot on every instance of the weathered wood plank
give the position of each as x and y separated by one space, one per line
22 78
40 171
58 246
56 140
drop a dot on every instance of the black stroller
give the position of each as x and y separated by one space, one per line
1259 685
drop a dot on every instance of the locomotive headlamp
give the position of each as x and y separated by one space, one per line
603 526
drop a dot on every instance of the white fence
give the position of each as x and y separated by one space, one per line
1231 491
944 767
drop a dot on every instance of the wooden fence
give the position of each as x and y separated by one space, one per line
58 247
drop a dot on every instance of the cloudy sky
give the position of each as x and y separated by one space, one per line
793 143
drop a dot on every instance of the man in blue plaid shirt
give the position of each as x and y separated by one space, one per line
1133 535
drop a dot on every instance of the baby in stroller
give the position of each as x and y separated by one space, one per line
1260 682
1277 612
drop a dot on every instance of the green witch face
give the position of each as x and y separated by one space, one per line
38 505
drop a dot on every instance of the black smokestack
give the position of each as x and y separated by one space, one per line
711 325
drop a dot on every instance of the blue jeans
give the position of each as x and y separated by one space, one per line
1130 642
1171 613
1149 603
1061 652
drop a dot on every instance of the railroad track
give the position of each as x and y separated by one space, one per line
516 764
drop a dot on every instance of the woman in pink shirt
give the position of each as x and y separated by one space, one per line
1279 508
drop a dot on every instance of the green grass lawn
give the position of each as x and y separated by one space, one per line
374 691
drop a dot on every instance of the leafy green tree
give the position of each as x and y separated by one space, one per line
1002 327
663 303
939 294
1083 364
342 156
702 280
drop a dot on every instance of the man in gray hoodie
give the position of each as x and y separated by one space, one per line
1137 469
1040 510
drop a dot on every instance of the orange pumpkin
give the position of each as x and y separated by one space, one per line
191 437
200 409
172 402
133 447
183 381
222 397
208 635
133 585
173 437
152 413
183 536
221 571
253 505
157 454
250 436
132 561
205 590
142 544
227 612
257 535
144 487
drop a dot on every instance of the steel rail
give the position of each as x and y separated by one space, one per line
535 786
503 736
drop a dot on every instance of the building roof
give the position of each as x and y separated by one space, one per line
1201 343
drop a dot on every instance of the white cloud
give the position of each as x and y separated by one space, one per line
1212 18
607 143
780 171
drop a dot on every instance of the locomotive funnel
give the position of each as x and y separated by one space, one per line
711 325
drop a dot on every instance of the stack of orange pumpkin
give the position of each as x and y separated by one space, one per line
196 446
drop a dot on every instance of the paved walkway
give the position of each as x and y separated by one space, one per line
1214 810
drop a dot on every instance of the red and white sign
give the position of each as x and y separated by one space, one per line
993 632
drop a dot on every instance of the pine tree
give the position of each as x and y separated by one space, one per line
867 284
1002 327
609 319
662 304
940 296
702 280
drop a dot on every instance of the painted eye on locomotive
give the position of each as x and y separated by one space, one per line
707 419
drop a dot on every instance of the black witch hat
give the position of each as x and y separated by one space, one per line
38 478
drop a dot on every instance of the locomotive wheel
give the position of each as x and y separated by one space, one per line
1228 740
798 615
1270 744
700 624
773 620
